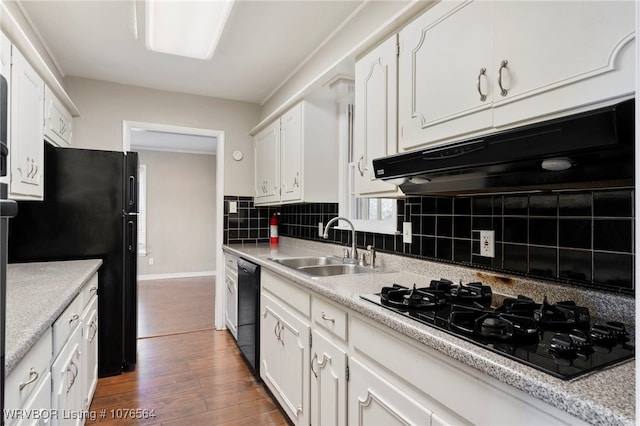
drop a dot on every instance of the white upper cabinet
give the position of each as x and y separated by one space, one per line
267 167
442 55
291 154
26 147
297 156
57 120
470 67
561 55
376 127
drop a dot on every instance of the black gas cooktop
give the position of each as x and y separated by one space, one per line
561 339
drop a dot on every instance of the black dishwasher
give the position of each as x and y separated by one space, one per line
248 313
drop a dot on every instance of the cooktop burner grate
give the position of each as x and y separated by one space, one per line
561 339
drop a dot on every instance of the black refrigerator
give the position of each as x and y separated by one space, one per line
90 211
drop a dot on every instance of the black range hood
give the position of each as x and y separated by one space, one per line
592 149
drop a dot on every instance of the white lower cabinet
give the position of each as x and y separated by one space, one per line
231 293
328 381
38 408
27 379
448 392
329 368
375 401
55 381
284 357
329 365
67 377
90 352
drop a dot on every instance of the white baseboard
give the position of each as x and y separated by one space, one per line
176 275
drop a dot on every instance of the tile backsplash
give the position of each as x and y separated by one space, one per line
579 237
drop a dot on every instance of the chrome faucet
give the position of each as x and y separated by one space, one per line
353 258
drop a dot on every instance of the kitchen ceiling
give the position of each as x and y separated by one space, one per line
263 43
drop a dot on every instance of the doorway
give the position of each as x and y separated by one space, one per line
183 233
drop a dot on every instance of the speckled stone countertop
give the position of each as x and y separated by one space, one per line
606 397
37 293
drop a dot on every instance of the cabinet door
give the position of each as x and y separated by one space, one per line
561 55
441 80
38 408
375 401
89 353
328 382
284 355
267 166
376 124
67 379
27 137
58 121
291 145
231 314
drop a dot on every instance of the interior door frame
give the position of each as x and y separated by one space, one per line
127 126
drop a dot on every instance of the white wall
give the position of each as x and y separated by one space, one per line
181 213
103 107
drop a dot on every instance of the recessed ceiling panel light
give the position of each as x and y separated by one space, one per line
186 28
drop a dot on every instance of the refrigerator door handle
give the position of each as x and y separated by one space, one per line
132 190
130 229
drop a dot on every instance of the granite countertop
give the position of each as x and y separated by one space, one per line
37 293
606 397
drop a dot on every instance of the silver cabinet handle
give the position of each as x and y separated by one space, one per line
93 290
74 375
503 65
483 97
325 358
296 180
326 318
94 328
359 165
75 317
33 376
313 361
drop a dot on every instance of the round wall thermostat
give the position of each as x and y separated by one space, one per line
237 155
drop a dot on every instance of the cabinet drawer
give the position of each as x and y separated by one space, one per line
330 317
89 290
288 291
28 373
66 323
230 264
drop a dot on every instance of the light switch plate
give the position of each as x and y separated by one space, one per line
233 207
407 232
320 229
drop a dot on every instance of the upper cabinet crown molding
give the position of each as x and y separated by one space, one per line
19 38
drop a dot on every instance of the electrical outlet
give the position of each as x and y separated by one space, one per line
151 261
407 232
487 243
320 229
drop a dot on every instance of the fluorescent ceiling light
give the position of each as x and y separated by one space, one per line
185 28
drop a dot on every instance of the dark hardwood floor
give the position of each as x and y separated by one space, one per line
188 378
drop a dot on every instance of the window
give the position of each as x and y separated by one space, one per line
377 215
142 210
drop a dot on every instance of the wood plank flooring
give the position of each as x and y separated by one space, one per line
190 378
161 306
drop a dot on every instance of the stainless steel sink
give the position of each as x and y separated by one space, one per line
322 266
329 270
300 262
